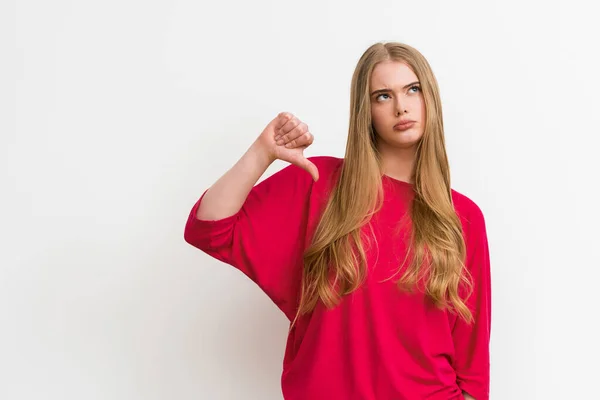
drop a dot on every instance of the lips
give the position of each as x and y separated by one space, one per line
403 125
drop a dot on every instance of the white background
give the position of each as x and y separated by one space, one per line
116 115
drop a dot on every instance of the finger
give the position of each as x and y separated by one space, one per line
306 165
282 119
288 127
309 167
303 141
295 133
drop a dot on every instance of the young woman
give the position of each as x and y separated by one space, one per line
382 269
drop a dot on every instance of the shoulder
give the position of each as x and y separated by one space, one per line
468 211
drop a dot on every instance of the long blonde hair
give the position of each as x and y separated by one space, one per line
335 262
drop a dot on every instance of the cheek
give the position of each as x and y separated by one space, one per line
378 117
421 107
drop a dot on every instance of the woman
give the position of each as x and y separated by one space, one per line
382 269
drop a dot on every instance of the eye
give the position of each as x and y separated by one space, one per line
383 94
415 87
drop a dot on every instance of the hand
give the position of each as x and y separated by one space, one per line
285 138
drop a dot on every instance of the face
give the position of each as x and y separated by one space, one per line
396 96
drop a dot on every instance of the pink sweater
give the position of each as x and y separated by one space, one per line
378 343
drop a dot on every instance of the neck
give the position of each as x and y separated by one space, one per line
398 163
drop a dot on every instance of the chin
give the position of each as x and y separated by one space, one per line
404 140
405 145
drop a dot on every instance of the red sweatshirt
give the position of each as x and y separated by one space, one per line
379 342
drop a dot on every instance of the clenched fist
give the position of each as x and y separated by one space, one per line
285 138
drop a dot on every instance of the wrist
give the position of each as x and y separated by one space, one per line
261 154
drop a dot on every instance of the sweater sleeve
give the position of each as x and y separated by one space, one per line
471 341
265 238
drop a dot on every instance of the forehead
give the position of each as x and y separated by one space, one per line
390 74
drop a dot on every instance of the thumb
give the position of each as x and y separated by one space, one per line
309 167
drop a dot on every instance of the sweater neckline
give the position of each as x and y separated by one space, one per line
398 181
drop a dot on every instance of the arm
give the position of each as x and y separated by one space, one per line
471 340
258 229
468 396
228 194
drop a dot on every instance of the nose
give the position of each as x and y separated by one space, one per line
400 107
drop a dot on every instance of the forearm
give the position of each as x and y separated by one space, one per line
468 396
227 195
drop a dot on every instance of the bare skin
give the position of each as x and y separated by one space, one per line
396 96
284 138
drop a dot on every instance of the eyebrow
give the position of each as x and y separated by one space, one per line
388 90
